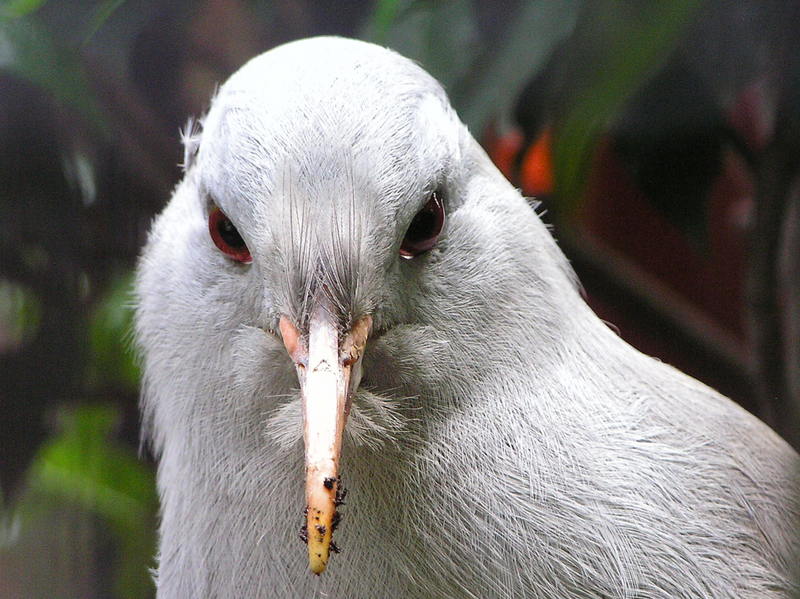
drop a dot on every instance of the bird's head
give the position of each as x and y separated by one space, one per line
338 231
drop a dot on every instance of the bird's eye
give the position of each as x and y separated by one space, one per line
424 230
226 237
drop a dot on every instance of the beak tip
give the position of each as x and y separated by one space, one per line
320 524
316 564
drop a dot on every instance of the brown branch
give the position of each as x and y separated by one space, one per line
609 275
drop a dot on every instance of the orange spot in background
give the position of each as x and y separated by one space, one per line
503 149
536 176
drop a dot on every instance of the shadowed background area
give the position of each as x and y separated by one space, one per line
661 140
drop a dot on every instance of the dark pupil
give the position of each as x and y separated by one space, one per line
422 225
229 234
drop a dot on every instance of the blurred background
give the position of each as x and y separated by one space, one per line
662 140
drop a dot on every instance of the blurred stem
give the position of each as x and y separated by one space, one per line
778 175
101 14
144 148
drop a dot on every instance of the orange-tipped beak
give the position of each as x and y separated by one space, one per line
329 372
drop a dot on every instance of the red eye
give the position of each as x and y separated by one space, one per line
226 237
423 232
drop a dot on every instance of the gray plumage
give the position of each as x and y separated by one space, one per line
503 441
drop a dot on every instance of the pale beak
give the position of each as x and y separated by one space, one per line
329 371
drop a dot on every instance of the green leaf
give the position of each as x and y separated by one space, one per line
383 17
83 467
111 359
28 51
20 314
623 44
20 8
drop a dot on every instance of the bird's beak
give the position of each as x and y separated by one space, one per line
329 370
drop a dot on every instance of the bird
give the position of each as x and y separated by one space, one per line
369 371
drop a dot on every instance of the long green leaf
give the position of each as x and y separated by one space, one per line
20 8
101 14
626 44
